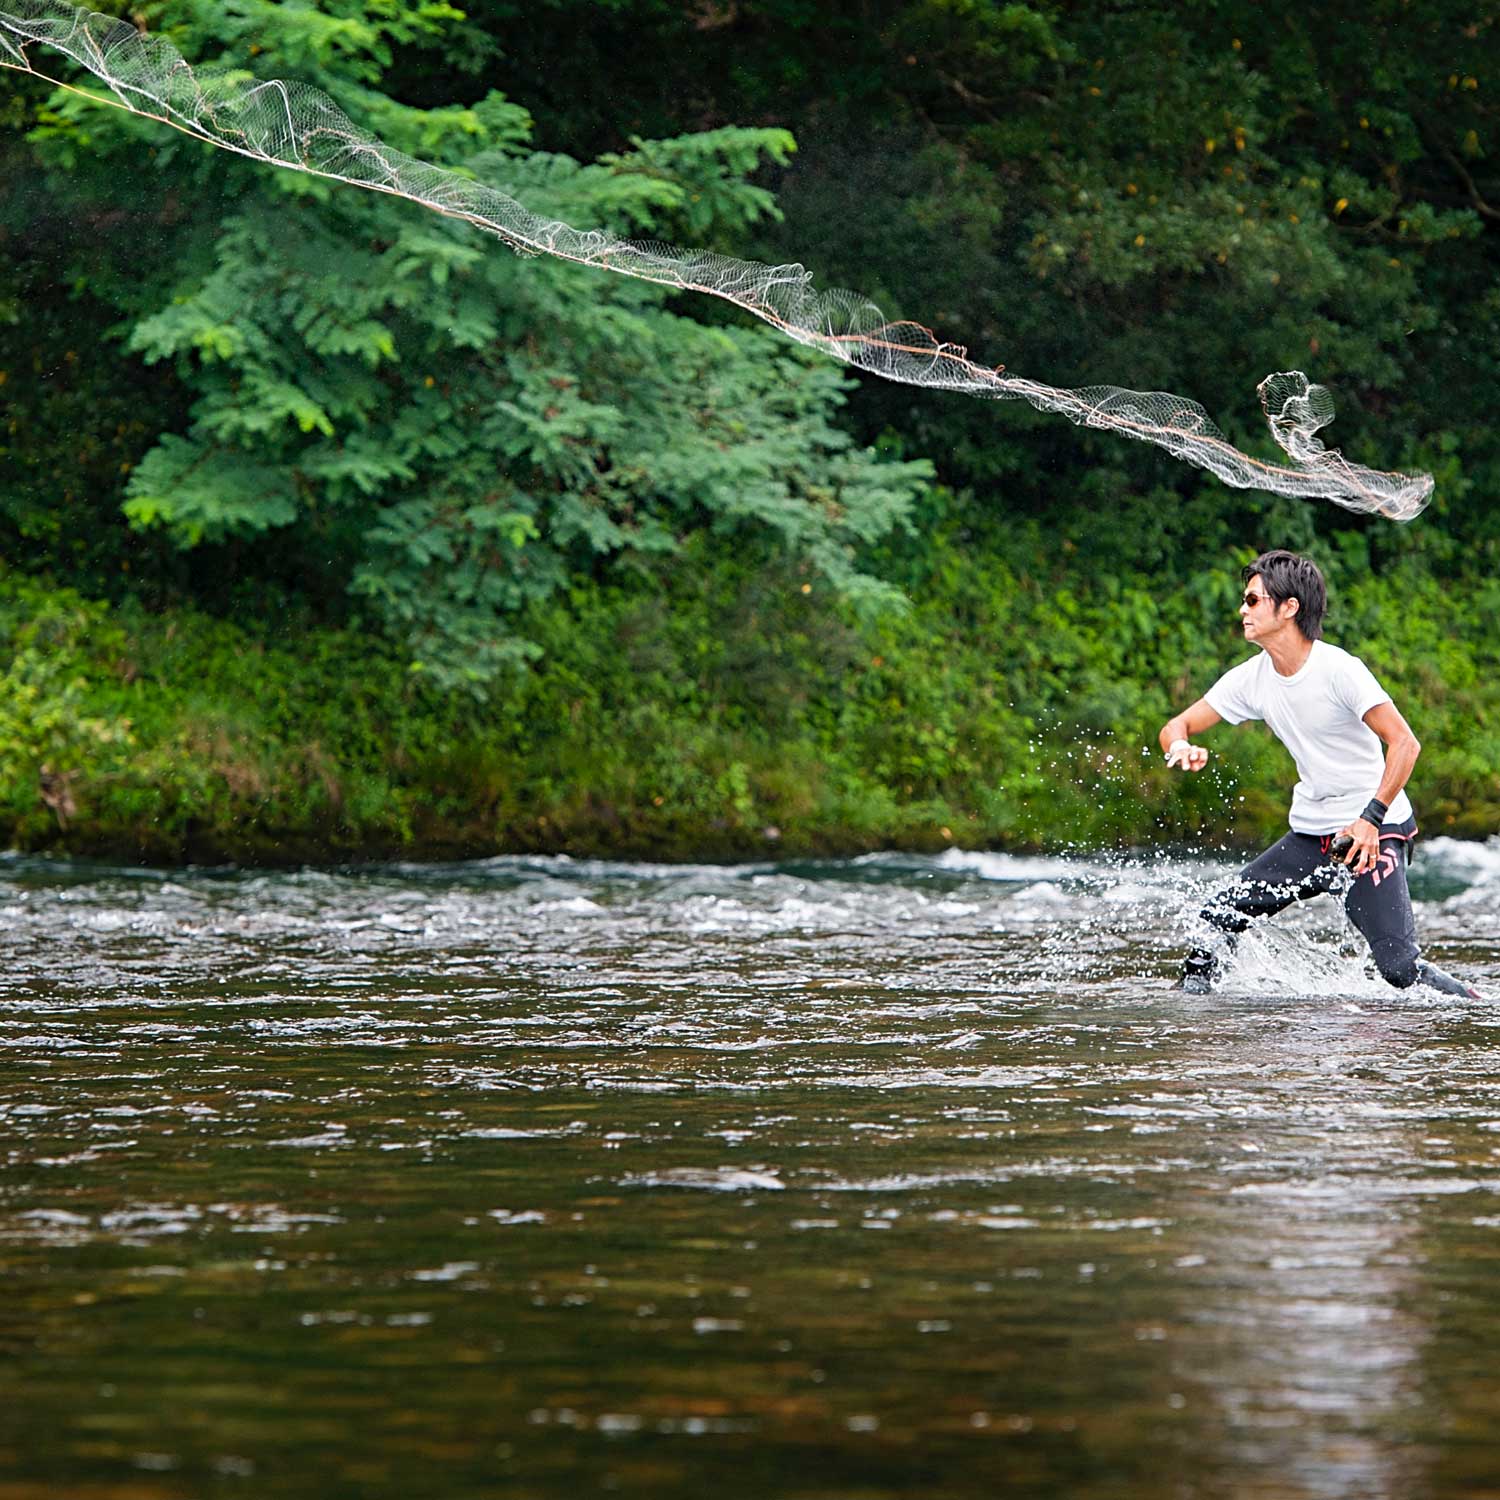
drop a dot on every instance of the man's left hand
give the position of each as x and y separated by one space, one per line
1365 848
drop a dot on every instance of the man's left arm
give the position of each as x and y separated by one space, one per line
1401 751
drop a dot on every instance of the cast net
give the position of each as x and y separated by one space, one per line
293 125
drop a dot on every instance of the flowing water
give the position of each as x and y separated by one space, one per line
896 1177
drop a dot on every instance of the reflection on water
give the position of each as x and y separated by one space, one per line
890 1177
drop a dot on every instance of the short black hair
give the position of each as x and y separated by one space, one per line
1288 576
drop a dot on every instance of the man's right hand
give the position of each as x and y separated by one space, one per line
1186 756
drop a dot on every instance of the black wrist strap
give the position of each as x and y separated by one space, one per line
1374 813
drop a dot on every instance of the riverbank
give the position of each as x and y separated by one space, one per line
718 717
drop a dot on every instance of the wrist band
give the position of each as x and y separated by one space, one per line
1374 813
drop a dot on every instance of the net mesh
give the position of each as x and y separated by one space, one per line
293 125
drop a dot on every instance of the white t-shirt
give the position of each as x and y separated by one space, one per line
1318 714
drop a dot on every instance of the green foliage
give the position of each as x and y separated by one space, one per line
425 465
454 432
49 738
719 710
1146 195
700 181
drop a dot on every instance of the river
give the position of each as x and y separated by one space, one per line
895 1177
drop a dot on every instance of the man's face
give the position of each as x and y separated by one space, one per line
1259 614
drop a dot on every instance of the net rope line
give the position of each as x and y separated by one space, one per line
296 126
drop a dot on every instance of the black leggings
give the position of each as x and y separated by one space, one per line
1378 902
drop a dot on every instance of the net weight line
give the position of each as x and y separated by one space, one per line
293 125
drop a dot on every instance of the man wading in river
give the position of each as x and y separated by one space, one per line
1326 707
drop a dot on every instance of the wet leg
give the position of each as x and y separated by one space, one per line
1379 905
1292 869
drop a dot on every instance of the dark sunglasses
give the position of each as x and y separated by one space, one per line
1252 598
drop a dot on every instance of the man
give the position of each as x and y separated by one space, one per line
1326 707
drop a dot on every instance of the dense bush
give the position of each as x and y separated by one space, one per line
726 713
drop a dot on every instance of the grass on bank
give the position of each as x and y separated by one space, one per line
726 715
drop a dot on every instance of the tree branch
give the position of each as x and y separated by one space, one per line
1475 197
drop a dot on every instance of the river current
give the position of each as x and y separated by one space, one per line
892 1177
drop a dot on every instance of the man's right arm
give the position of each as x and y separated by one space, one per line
1177 733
